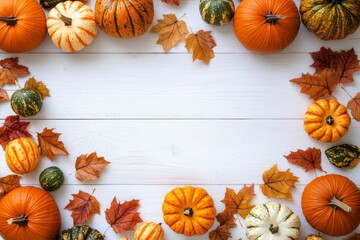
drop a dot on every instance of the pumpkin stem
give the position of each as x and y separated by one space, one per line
66 20
329 120
20 220
274 228
188 212
337 203
273 18
11 21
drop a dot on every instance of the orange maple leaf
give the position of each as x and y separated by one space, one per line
309 159
123 217
8 183
171 31
201 45
83 207
3 95
39 86
12 129
10 70
354 106
50 145
88 168
220 233
226 218
172 2
239 203
277 183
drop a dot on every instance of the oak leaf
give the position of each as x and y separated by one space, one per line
10 70
172 2
220 233
83 207
39 86
277 183
88 168
8 183
3 95
318 85
171 31
201 45
12 129
50 145
226 218
309 159
354 106
123 217
239 202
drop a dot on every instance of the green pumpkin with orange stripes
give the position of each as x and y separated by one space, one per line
26 102
80 232
217 12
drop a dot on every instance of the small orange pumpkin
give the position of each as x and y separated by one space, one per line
149 231
326 120
189 210
22 155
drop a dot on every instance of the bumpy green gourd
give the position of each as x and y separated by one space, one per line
51 178
344 155
26 102
83 232
217 12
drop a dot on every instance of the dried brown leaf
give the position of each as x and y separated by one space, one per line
8 183
39 86
309 159
12 129
3 95
201 44
239 202
220 233
172 2
354 106
10 70
50 145
88 168
226 218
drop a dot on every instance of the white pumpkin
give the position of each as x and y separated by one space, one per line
71 25
272 221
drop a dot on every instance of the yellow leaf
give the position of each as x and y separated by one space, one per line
201 45
40 86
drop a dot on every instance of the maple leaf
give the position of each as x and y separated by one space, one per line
356 236
12 129
83 207
8 183
171 31
309 159
239 203
123 217
3 95
220 233
201 45
39 86
318 85
354 106
172 2
277 183
226 218
10 70
50 145
88 168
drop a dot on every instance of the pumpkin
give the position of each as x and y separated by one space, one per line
71 26
314 237
272 221
22 155
51 178
22 25
53 3
266 26
83 232
331 204
26 102
330 20
189 210
29 213
326 120
124 19
149 231
344 155
217 12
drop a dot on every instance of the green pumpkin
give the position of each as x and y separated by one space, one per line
50 3
217 12
330 19
344 155
51 178
26 102
83 232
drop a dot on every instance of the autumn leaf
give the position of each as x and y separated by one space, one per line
172 2
354 106
10 70
83 207
88 168
50 145
309 159
318 85
12 129
171 31
201 45
226 218
356 236
220 233
39 86
8 183
239 203
3 95
123 217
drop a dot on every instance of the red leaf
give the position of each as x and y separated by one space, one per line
10 70
50 145
172 2
309 159
220 233
8 183
354 105
12 129
226 218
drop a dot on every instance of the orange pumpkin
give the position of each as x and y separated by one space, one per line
125 19
189 210
266 26
22 155
149 231
331 204
29 213
22 25
326 120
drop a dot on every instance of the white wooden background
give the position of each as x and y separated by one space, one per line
164 121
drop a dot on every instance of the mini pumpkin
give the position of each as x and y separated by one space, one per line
314 237
331 204
83 232
149 231
272 221
26 102
343 155
71 26
51 178
22 155
189 210
326 120
217 12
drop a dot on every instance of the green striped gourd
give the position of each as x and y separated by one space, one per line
149 231
26 102
51 178
217 12
83 232
344 155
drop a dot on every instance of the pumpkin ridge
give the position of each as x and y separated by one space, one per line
69 43
33 153
313 113
106 9
18 160
26 154
171 204
80 40
129 15
87 31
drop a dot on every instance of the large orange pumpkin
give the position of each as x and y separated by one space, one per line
29 213
266 26
331 204
22 25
